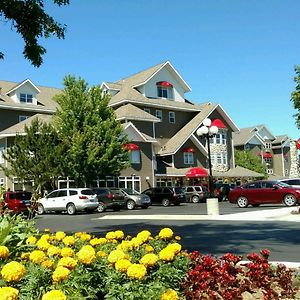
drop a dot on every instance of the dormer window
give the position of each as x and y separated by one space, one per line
26 98
164 89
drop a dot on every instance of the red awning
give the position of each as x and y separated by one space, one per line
131 147
218 123
196 172
164 83
267 155
298 144
188 150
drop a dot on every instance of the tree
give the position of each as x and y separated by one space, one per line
295 97
249 161
34 156
31 21
91 136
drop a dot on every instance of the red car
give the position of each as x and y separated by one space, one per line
18 201
264 192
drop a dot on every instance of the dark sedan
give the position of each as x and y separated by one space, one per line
264 192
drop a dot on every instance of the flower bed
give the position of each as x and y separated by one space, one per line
55 265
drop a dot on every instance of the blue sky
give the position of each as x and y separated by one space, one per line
238 53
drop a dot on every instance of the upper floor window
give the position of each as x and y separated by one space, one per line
188 158
135 157
219 158
23 118
268 145
219 138
26 98
172 117
158 114
147 110
164 89
1 155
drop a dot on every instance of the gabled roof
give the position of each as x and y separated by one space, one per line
22 83
245 135
143 137
44 98
280 141
19 128
143 77
112 86
131 112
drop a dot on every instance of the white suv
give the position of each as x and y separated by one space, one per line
295 182
70 200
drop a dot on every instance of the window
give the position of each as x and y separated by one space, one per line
62 193
22 118
26 98
1 155
73 192
164 92
219 158
158 114
188 158
224 157
219 138
268 145
171 117
268 160
147 110
269 171
1 181
135 157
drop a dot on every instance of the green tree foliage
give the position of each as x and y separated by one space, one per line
249 161
30 20
91 136
34 155
295 97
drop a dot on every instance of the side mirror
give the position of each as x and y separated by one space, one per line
275 187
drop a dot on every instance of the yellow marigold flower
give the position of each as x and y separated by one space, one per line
166 255
111 235
69 240
37 256
47 230
165 233
85 237
119 235
25 255
116 255
4 252
125 246
43 244
102 240
169 295
8 293
144 235
13 271
53 250
60 274
95 242
101 253
65 252
122 265
136 271
45 237
178 238
67 262
136 242
149 248
47 264
86 255
174 247
31 240
149 260
59 235
54 295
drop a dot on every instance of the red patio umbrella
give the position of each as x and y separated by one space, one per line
196 172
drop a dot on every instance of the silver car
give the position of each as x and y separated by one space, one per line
69 200
135 199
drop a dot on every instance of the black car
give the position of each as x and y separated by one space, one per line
165 195
109 198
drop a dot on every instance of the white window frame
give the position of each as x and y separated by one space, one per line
2 149
26 98
224 158
268 145
165 92
2 181
133 182
158 114
172 117
269 171
188 158
135 156
268 160
219 139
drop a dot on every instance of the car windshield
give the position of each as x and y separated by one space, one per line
23 195
282 184
178 190
131 192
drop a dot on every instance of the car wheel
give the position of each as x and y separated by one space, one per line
165 202
40 209
101 207
130 205
195 199
289 200
242 202
255 205
71 209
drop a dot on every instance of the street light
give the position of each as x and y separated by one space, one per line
207 131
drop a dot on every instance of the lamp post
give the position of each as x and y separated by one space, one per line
207 131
